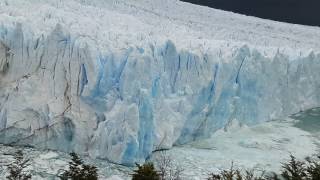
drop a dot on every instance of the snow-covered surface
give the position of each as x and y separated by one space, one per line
119 79
121 23
262 147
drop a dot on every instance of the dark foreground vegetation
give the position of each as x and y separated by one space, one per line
78 170
165 169
17 167
291 170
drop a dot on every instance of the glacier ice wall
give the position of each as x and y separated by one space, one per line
57 92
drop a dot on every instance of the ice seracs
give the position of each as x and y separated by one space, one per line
118 80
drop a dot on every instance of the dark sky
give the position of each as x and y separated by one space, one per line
305 12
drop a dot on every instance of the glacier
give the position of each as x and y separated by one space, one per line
121 99
261 146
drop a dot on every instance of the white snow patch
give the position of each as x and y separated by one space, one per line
114 177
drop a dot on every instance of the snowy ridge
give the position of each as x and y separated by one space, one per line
118 80
107 24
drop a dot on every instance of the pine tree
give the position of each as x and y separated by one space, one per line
89 172
78 170
313 168
16 169
145 172
294 170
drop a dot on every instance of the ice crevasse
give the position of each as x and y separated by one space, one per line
59 92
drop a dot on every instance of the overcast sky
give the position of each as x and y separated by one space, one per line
294 11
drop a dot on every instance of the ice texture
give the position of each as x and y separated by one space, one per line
123 98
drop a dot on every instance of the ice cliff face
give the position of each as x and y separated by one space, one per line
58 90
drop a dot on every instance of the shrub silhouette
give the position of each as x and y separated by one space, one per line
313 168
294 169
78 170
145 172
16 169
291 170
229 174
168 170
